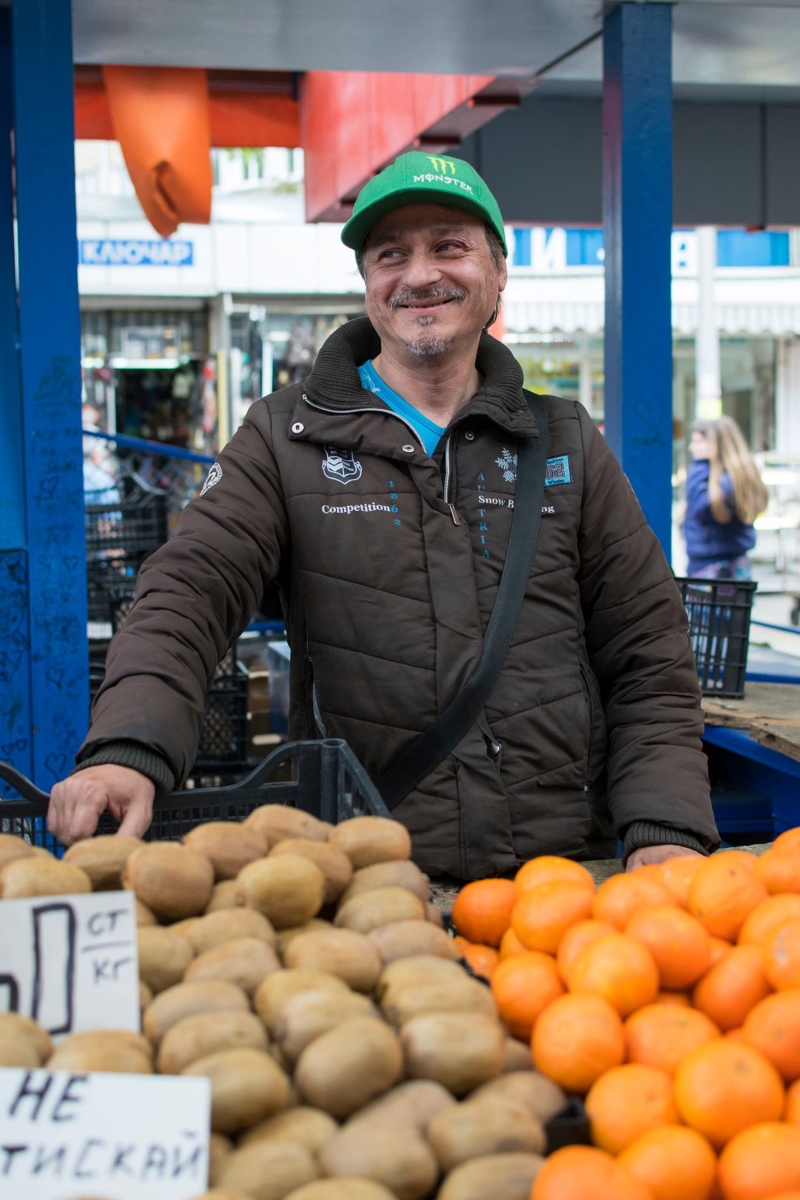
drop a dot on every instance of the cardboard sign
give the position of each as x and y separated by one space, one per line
71 962
121 1137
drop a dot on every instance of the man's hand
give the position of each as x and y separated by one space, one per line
658 854
77 803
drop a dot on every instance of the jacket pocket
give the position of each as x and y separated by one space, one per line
598 736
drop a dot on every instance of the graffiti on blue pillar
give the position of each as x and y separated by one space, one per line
14 699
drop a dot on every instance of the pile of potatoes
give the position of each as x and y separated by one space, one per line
302 969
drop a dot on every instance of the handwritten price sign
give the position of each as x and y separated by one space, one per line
71 962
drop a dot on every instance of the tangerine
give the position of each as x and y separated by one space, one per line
662 1035
768 918
729 990
773 1028
510 944
760 1161
679 944
680 998
677 875
781 954
482 910
576 1172
725 891
482 959
618 898
576 1039
577 937
719 948
676 1163
779 870
725 1086
619 969
523 985
628 1101
544 913
549 867
791 1112
788 840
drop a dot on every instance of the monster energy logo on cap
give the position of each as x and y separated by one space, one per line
418 178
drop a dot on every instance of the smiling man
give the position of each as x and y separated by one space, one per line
380 494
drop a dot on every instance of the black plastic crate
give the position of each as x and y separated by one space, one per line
719 625
224 739
327 780
128 530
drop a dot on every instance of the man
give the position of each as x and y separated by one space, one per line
379 493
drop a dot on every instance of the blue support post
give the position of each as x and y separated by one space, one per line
49 357
637 215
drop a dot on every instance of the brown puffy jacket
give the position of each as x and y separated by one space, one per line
389 562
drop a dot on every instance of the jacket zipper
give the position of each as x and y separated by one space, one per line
452 507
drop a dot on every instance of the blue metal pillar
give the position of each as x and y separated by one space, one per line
637 215
51 646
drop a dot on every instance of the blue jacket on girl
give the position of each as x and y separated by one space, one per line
707 540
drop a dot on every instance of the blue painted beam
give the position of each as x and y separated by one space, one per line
49 326
637 216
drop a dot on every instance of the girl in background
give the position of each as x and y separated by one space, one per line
724 495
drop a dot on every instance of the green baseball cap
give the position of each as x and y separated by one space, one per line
418 178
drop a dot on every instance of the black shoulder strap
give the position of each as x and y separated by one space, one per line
431 747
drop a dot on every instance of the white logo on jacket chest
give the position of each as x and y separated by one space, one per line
340 465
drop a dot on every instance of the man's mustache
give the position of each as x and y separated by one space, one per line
408 296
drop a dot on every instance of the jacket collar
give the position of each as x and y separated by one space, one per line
334 383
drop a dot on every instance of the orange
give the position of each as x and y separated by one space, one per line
779 870
679 944
482 910
681 998
725 891
768 918
510 944
618 898
792 1111
677 875
782 957
724 1086
577 937
719 948
628 1101
523 986
676 1163
580 1172
576 1039
547 868
735 1035
760 1161
662 1035
462 942
788 840
482 959
544 913
773 1027
731 988
619 969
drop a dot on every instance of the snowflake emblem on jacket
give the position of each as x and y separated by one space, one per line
508 463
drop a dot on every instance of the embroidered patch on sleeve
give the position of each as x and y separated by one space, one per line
213 478
557 471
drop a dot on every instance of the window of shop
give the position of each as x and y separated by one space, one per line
568 365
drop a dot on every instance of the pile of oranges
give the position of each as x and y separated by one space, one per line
669 998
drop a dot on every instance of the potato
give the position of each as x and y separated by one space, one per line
278 822
144 916
187 999
206 1033
409 939
399 1004
164 956
542 1097
269 1170
309 1127
334 863
396 1156
368 840
416 1102
227 845
341 952
223 896
219 1148
433 915
310 1014
418 968
13 847
458 1050
342 1189
170 879
103 1050
34 876
184 926
380 907
500 1176
275 1051
246 1087
400 873
216 1193
145 995
285 937
103 859
288 889
276 990
17 1051
477 1128
518 1056
245 961
19 1028
218 927
344 1069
